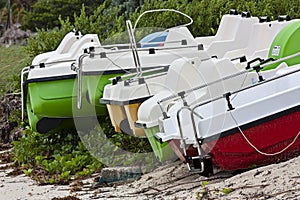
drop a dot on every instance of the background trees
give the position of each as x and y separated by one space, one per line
106 18
107 13
45 13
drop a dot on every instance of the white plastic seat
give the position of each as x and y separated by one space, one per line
63 47
260 40
226 31
240 39
76 49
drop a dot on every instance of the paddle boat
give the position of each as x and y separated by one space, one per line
230 123
124 97
125 92
47 90
63 84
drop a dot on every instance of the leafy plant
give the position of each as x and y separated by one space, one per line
60 154
48 40
13 59
226 190
27 172
204 183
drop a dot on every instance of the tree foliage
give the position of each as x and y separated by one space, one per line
45 13
108 17
47 40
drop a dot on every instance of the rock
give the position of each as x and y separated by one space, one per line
119 174
14 35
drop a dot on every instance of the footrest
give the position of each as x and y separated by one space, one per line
195 163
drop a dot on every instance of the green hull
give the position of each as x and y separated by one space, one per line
55 102
286 43
161 150
45 124
95 87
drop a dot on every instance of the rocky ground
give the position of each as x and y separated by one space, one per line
10 106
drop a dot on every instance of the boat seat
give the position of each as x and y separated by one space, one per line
260 40
239 40
67 42
226 31
179 36
86 41
63 47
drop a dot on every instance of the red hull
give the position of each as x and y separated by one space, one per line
231 151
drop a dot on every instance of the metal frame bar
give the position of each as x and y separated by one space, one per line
79 75
183 143
178 95
24 71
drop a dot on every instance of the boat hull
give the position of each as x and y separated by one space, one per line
269 135
162 151
123 117
56 100
231 151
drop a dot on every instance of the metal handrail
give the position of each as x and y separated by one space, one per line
111 47
227 95
158 69
54 62
147 49
180 94
24 71
182 140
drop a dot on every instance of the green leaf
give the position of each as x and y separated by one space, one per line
27 172
226 190
204 183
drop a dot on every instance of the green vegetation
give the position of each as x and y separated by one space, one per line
107 20
13 59
226 190
205 192
45 12
60 154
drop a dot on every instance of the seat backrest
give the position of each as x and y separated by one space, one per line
226 31
62 48
239 39
179 36
263 34
91 39
67 42
77 48
228 27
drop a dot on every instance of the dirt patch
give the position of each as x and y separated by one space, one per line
10 106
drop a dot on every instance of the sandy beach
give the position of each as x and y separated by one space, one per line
172 181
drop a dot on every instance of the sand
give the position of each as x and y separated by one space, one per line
172 181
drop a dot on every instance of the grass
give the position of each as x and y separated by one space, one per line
12 60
